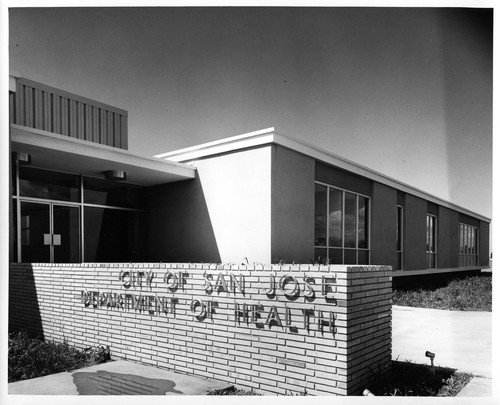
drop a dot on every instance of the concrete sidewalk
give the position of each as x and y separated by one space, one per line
118 377
460 340
477 387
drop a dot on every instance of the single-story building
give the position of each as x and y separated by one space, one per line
78 195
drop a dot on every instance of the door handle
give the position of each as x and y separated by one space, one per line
52 239
47 239
56 239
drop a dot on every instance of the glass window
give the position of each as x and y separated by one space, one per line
52 230
399 230
350 220
35 229
431 241
335 218
363 223
320 255
363 256
461 239
111 235
336 256
48 184
399 238
13 231
13 174
347 234
468 251
66 224
350 256
320 212
104 192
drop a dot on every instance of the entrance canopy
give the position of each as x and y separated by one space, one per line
65 154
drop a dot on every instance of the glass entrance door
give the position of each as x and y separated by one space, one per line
66 234
50 233
35 225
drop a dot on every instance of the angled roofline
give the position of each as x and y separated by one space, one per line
269 136
231 144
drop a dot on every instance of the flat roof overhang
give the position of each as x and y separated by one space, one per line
65 154
269 136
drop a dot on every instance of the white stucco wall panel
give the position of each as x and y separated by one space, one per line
237 190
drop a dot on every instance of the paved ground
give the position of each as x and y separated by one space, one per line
477 387
116 377
461 340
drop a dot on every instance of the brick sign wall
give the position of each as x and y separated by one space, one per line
278 329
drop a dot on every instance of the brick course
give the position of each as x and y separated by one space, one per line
281 341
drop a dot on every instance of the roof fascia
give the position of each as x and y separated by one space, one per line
269 136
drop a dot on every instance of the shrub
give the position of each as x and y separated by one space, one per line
467 294
29 357
410 379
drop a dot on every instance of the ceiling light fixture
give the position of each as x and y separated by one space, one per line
115 175
22 158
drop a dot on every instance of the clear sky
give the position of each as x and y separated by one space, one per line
404 91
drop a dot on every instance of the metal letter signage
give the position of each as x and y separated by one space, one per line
198 303
287 288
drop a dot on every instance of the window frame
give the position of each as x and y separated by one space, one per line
330 249
400 237
468 257
18 199
432 241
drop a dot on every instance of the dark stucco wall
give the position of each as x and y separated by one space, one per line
343 179
292 207
414 237
484 246
447 238
384 219
179 224
466 219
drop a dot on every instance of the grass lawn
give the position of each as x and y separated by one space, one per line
417 380
407 379
466 294
31 357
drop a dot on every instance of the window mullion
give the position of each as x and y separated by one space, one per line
18 216
343 226
356 227
82 221
327 242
